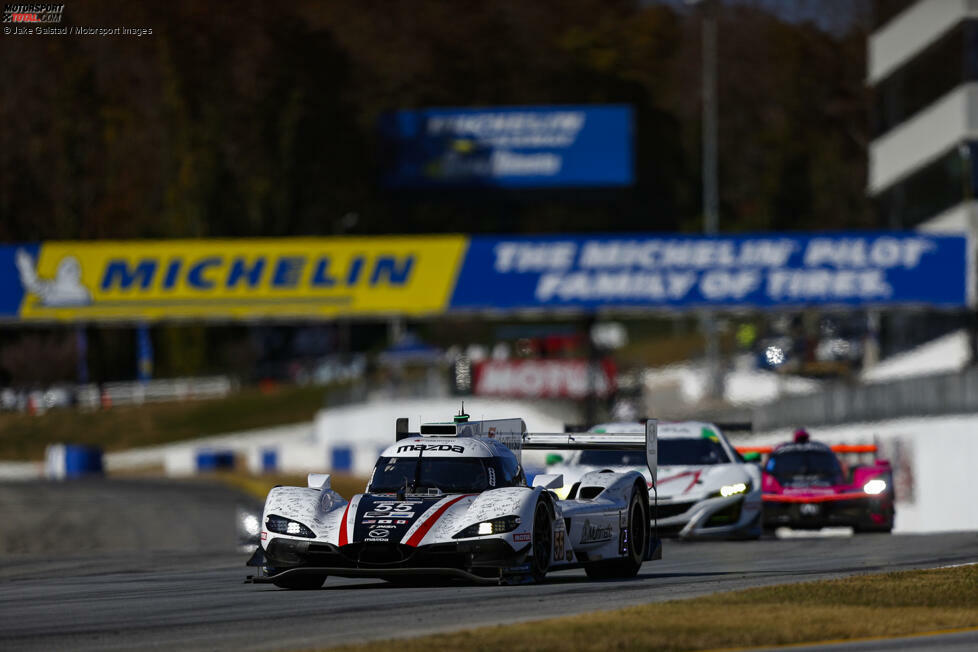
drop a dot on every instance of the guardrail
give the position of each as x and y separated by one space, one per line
939 394
92 396
153 391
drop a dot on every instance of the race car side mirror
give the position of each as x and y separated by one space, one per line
401 429
549 480
318 481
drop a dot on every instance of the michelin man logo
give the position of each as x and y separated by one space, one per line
65 289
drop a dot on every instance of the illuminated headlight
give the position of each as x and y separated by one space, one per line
875 486
250 524
495 526
282 525
733 489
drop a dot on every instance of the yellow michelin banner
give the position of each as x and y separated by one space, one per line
239 279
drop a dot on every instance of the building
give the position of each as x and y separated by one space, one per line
922 64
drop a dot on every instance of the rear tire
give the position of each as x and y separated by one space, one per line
300 582
543 542
637 542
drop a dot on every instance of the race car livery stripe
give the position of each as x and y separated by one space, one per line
422 530
828 498
695 475
343 536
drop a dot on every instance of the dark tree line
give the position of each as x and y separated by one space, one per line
252 119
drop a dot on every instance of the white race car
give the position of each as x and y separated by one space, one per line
452 500
705 488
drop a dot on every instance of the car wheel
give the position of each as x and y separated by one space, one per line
300 582
543 541
637 542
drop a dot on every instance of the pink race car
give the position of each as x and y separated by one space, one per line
805 485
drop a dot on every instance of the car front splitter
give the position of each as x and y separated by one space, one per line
375 573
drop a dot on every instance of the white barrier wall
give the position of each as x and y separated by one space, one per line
365 430
345 439
934 464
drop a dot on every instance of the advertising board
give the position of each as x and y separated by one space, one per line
228 279
776 270
283 278
544 378
515 147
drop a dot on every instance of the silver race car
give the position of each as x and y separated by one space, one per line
705 488
452 500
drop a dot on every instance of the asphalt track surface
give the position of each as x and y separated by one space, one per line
192 596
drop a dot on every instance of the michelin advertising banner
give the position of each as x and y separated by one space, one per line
680 272
228 279
434 275
514 147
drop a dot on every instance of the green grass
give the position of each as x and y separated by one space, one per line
23 437
890 604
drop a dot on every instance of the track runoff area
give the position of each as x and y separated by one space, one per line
142 588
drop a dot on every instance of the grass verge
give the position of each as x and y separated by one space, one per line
890 604
24 437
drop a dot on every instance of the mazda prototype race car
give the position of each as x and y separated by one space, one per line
705 489
806 486
452 500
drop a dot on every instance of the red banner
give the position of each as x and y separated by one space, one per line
544 378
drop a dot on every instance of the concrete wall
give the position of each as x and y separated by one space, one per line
934 461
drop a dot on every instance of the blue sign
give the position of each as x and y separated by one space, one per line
680 272
511 147
15 260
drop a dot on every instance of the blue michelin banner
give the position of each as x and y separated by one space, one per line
510 147
679 272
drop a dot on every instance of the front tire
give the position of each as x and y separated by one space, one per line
300 582
636 544
543 542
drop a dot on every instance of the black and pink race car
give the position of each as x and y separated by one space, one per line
806 485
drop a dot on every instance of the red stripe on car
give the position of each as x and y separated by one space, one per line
427 525
828 498
343 537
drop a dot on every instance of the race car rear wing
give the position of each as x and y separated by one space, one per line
512 433
629 441
838 448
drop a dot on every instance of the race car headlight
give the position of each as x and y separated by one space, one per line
495 526
733 489
875 486
282 525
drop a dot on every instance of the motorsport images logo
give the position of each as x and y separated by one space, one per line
32 13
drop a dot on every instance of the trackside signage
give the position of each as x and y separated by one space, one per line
514 146
285 277
151 280
675 272
575 379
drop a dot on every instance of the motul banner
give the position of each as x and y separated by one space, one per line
544 378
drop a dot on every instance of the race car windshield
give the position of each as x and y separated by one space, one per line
687 451
805 468
450 475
